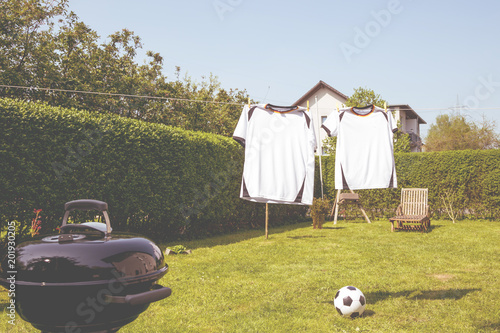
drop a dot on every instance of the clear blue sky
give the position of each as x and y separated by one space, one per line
421 53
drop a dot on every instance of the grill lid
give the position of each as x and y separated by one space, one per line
86 254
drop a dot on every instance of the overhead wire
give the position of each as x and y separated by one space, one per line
196 100
116 94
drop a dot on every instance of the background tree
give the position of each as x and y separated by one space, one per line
455 132
42 45
363 97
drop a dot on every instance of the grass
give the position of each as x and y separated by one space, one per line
447 280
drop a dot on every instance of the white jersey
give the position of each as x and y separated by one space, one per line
279 154
365 151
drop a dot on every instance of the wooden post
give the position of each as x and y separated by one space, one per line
336 206
267 217
362 211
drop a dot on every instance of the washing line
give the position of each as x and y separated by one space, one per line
197 100
117 95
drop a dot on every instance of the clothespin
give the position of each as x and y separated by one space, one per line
338 110
307 105
385 107
248 101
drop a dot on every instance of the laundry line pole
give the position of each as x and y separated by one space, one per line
267 217
319 144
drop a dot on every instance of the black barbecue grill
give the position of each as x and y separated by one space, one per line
87 278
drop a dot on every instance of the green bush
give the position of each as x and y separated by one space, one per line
159 181
468 179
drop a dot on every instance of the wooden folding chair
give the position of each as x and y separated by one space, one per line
344 198
413 211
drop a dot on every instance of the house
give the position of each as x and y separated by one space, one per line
410 123
324 99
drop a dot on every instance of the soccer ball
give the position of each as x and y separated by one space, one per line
350 302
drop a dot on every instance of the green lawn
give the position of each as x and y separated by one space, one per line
447 280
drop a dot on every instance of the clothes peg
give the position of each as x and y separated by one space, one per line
248 101
307 105
338 110
385 107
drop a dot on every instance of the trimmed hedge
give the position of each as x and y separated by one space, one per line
158 180
469 180
168 183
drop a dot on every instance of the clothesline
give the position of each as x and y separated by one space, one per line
196 100
116 95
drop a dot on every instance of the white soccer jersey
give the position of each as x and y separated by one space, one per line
279 154
365 152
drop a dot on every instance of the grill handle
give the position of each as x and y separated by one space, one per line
158 293
87 204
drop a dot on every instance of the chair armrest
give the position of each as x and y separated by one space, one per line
399 210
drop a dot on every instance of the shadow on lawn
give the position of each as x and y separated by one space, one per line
235 237
455 294
494 327
334 228
3 306
305 236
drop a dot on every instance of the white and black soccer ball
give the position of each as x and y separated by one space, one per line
350 302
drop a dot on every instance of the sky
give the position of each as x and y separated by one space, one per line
431 55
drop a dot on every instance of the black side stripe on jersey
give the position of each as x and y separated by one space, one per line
308 120
327 130
345 186
385 114
391 182
245 191
241 141
341 116
301 192
250 112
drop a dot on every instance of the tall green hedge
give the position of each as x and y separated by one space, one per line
160 181
168 183
468 180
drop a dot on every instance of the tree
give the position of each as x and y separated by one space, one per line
455 132
36 52
363 97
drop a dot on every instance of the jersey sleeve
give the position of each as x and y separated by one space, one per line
240 132
331 124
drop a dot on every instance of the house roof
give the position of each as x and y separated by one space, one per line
317 87
410 113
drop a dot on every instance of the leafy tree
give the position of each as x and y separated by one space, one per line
455 132
401 141
364 96
37 52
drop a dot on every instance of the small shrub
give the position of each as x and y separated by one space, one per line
319 210
178 249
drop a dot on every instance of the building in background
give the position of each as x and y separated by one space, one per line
324 99
410 123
